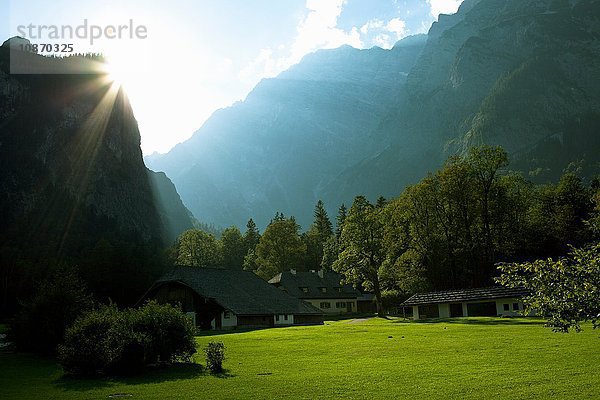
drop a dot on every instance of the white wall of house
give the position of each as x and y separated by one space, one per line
416 312
281 320
333 305
515 308
230 322
444 310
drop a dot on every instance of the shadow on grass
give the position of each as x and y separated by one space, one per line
476 321
172 373
342 317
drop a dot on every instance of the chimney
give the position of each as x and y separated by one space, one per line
320 272
293 271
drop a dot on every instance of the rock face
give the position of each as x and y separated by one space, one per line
521 74
71 168
286 143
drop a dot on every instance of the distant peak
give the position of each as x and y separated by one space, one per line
411 40
15 42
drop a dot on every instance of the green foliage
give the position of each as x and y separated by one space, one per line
233 248
594 221
251 236
339 220
40 326
251 261
314 249
168 333
322 225
122 342
89 343
330 253
215 355
196 248
566 290
280 247
315 238
362 248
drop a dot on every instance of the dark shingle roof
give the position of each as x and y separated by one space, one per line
311 280
242 292
457 296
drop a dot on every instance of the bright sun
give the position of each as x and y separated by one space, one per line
118 72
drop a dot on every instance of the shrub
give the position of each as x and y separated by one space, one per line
124 342
215 354
168 333
88 348
41 324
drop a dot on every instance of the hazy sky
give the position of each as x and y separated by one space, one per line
201 55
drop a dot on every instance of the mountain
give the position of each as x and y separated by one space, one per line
291 137
521 74
71 168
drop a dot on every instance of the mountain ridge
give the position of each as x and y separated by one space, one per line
503 72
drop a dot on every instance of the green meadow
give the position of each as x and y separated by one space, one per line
352 359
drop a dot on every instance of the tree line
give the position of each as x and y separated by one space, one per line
447 231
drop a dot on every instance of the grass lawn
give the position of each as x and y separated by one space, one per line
377 359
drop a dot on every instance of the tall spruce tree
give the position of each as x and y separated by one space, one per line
251 236
322 223
340 219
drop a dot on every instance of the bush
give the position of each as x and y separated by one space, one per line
123 342
87 348
215 354
41 324
168 333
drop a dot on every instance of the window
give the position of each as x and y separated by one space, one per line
285 317
277 317
506 307
515 306
325 304
323 290
304 289
226 315
339 289
340 304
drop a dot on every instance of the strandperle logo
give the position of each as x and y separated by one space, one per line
84 31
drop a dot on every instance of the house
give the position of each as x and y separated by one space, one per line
489 302
321 288
226 299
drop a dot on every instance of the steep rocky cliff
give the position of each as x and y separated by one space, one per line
521 74
71 168
291 137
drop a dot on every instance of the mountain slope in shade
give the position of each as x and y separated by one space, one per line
291 137
71 168
175 217
521 74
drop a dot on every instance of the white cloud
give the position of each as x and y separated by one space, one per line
317 30
371 25
383 34
398 27
444 7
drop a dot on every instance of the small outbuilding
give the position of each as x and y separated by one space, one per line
226 299
480 302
